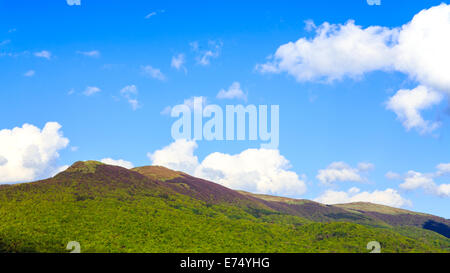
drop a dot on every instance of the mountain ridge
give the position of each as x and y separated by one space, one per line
105 197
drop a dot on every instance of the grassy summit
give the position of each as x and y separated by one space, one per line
154 209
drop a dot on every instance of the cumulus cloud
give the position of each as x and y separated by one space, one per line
179 156
152 72
233 92
255 170
91 90
443 190
418 49
336 51
443 168
92 53
388 197
130 92
28 153
43 54
422 48
73 2
3 160
407 105
118 162
415 180
341 171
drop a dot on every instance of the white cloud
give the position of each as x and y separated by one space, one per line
341 171
91 90
310 25
130 92
234 91
73 2
365 166
59 169
29 73
204 56
407 105
153 13
179 156
388 197
255 170
3 160
415 180
92 53
422 49
178 62
43 54
335 52
118 162
418 49
28 153
166 110
443 168
5 42
443 190
392 175
155 73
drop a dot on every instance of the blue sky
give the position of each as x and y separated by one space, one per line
51 53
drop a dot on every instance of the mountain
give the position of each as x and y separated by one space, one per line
154 209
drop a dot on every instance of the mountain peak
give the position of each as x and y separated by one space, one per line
158 172
89 166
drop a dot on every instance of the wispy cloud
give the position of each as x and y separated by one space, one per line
91 90
29 73
92 53
178 62
204 55
5 42
153 13
152 72
43 54
130 92
73 2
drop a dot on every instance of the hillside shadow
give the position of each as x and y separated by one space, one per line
440 228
